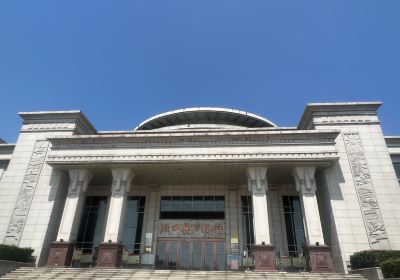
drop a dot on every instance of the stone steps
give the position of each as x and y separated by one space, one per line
99 273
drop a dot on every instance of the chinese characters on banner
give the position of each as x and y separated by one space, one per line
188 228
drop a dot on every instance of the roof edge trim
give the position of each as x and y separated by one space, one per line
204 109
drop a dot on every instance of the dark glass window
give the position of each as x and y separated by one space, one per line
192 207
247 223
397 169
91 229
198 203
187 203
294 224
133 223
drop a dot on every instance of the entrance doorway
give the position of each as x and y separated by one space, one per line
191 254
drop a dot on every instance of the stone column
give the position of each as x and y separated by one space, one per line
318 254
110 251
263 251
61 250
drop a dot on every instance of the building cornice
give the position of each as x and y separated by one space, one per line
238 146
191 130
74 121
392 141
6 151
339 113
187 139
393 144
191 157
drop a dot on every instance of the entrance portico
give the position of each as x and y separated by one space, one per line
180 245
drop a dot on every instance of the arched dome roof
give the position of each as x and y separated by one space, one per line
205 117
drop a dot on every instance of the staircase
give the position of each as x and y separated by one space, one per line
95 273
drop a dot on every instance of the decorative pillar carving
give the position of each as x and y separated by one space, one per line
61 250
263 251
110 250
377 234
318 254
25 197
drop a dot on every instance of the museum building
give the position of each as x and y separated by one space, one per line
203 188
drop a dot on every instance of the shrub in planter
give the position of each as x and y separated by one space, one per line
372 258
14 253
391 268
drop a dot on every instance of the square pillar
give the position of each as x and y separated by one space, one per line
61 250
318 254
263 251
110 251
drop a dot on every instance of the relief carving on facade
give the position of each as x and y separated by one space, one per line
348 118
48 126
27 191
369 205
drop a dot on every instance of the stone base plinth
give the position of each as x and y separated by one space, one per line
319 258
109 255
60 254
264 258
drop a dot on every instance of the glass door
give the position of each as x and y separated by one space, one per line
197 254
220 255
172 255
167 256
214 255
184 255
162 254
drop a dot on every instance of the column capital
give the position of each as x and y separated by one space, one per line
304 179
79 181
122 178
257 179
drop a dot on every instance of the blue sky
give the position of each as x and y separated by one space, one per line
121 62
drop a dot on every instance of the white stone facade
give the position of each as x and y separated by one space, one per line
337 161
